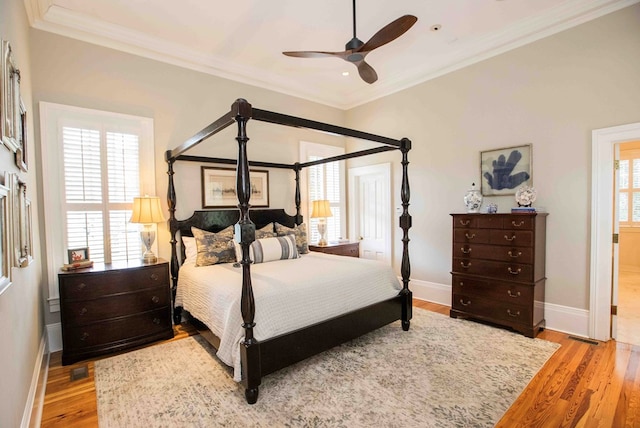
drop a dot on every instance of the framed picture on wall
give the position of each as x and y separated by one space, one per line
5 234
503 171
9 98
219 188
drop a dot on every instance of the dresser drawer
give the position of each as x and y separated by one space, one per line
93 285
116 330
468 236
493 252
520 238
90 311
504 291
491 309
493 269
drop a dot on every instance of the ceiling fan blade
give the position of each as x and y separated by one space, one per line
314 54
367 72
389 33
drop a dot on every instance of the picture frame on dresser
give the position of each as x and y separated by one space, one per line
504 170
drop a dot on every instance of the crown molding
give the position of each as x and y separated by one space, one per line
45 15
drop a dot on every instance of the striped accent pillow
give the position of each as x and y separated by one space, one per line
270 249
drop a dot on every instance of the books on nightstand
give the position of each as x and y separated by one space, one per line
77 265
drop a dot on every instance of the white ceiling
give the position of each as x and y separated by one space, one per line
243 40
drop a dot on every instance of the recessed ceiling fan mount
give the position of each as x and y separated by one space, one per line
356 50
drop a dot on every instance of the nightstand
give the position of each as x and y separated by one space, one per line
350 249
112 307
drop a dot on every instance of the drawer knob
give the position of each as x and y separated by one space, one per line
510 238
81 286
461 283
156 321
465 266
154 277
514 254
465 250
520 223
83 311
514 272
463 303
511 314
84 336
473 235
511 294
155 299
465 222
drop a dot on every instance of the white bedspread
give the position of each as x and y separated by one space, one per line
289 294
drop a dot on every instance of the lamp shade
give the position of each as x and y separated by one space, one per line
321 208
146 209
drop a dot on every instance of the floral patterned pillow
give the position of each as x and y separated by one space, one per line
300 232
214 248
265 232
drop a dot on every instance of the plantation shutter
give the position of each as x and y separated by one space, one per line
101 177
324 183
629 186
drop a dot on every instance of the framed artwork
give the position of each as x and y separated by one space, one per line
21 224
78 254
503 171
21 151
219 188
10 118
5 234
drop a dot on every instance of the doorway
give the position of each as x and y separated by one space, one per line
370 210
626 324
601 267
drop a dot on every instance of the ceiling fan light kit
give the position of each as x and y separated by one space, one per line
356 50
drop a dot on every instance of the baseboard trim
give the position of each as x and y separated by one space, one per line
560 318
32 414
54 332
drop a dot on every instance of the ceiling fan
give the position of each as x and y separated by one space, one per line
355 50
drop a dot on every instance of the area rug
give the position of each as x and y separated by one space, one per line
443 372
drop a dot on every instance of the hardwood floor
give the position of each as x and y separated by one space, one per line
582 385
629 305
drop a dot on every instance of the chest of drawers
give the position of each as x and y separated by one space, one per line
498 269
111 307
350 249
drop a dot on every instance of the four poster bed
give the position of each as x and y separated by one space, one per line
358 295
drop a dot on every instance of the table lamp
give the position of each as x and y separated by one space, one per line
321 210
146 211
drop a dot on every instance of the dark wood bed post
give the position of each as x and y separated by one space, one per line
174 267
405 224
297 168
245 234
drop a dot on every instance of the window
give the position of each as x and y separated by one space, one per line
325 181
92 170
629 188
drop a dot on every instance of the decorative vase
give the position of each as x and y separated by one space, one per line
492 208
473 199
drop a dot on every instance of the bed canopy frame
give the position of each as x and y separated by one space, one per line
262 357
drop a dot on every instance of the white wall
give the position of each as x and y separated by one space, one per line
181 103
552 94
21 321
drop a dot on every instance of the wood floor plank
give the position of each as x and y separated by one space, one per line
581 385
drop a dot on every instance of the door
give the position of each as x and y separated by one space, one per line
370 210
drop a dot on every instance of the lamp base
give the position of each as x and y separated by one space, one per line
322 230
149 258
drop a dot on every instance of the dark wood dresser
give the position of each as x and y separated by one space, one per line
498 269
111 307
350 249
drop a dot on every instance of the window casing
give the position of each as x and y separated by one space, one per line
92 170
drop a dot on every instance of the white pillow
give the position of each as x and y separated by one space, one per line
270 249
190 248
